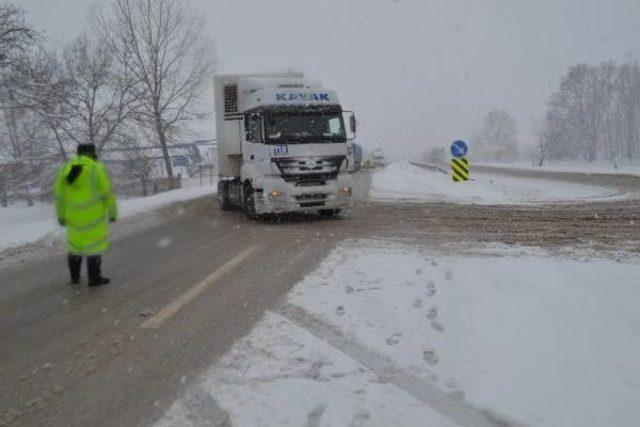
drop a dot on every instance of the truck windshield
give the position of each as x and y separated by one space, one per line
305 128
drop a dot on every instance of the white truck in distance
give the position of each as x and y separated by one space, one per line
282 145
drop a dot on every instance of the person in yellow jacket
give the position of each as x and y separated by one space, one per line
84 201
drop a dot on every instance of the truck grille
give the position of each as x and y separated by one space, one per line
311 204
311 197
309 171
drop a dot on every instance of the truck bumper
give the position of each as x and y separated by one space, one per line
276 196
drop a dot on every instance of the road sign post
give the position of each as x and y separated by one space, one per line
459 162
460 169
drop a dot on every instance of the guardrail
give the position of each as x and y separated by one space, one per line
430 166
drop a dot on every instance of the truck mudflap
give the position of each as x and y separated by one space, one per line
229 193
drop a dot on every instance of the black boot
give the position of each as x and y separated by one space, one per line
75 263
95 276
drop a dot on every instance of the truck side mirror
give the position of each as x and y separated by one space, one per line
352 123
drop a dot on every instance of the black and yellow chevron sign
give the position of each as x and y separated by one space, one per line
460 169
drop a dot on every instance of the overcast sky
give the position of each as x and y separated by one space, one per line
418 73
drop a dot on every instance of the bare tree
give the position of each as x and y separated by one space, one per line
628 106
15 34
13 117
36 83
16 40
498 136
101 94
22 90
139 162
543 149
162 43
595 114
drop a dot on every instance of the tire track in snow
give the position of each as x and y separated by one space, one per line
453 408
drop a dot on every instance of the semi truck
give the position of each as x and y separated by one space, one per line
282 145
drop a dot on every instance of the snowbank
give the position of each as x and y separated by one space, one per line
523 335
130 207
21 224
572 166
404 182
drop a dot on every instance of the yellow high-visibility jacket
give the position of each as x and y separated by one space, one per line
85 205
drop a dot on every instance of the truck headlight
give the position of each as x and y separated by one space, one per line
345 191
275 194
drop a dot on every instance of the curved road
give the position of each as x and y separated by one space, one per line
190 282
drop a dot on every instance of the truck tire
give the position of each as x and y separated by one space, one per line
249 201
329 213
223 195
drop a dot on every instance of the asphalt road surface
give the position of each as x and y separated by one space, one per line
190 280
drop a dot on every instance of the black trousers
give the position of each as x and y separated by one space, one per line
93 267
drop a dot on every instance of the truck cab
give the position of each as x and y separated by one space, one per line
282 145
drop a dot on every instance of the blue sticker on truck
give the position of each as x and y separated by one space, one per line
279 150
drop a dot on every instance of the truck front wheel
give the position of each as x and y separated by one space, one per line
249 202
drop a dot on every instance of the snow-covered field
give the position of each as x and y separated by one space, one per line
21 224
402 181
391 333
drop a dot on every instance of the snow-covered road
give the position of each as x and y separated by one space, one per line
21 224
394 333
405 182
396 314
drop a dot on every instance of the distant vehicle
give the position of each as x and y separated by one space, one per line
437 156
282 145
378 158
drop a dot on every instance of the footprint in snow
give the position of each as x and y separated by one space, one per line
348 289
448 276
361 418
314 417
417 303
433 313
437 326
434 263
314 371
340 310
394 339
418 271
430 357
431 289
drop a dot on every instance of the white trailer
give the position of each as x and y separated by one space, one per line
282 145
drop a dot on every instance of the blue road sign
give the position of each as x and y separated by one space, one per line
459 149
181 161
